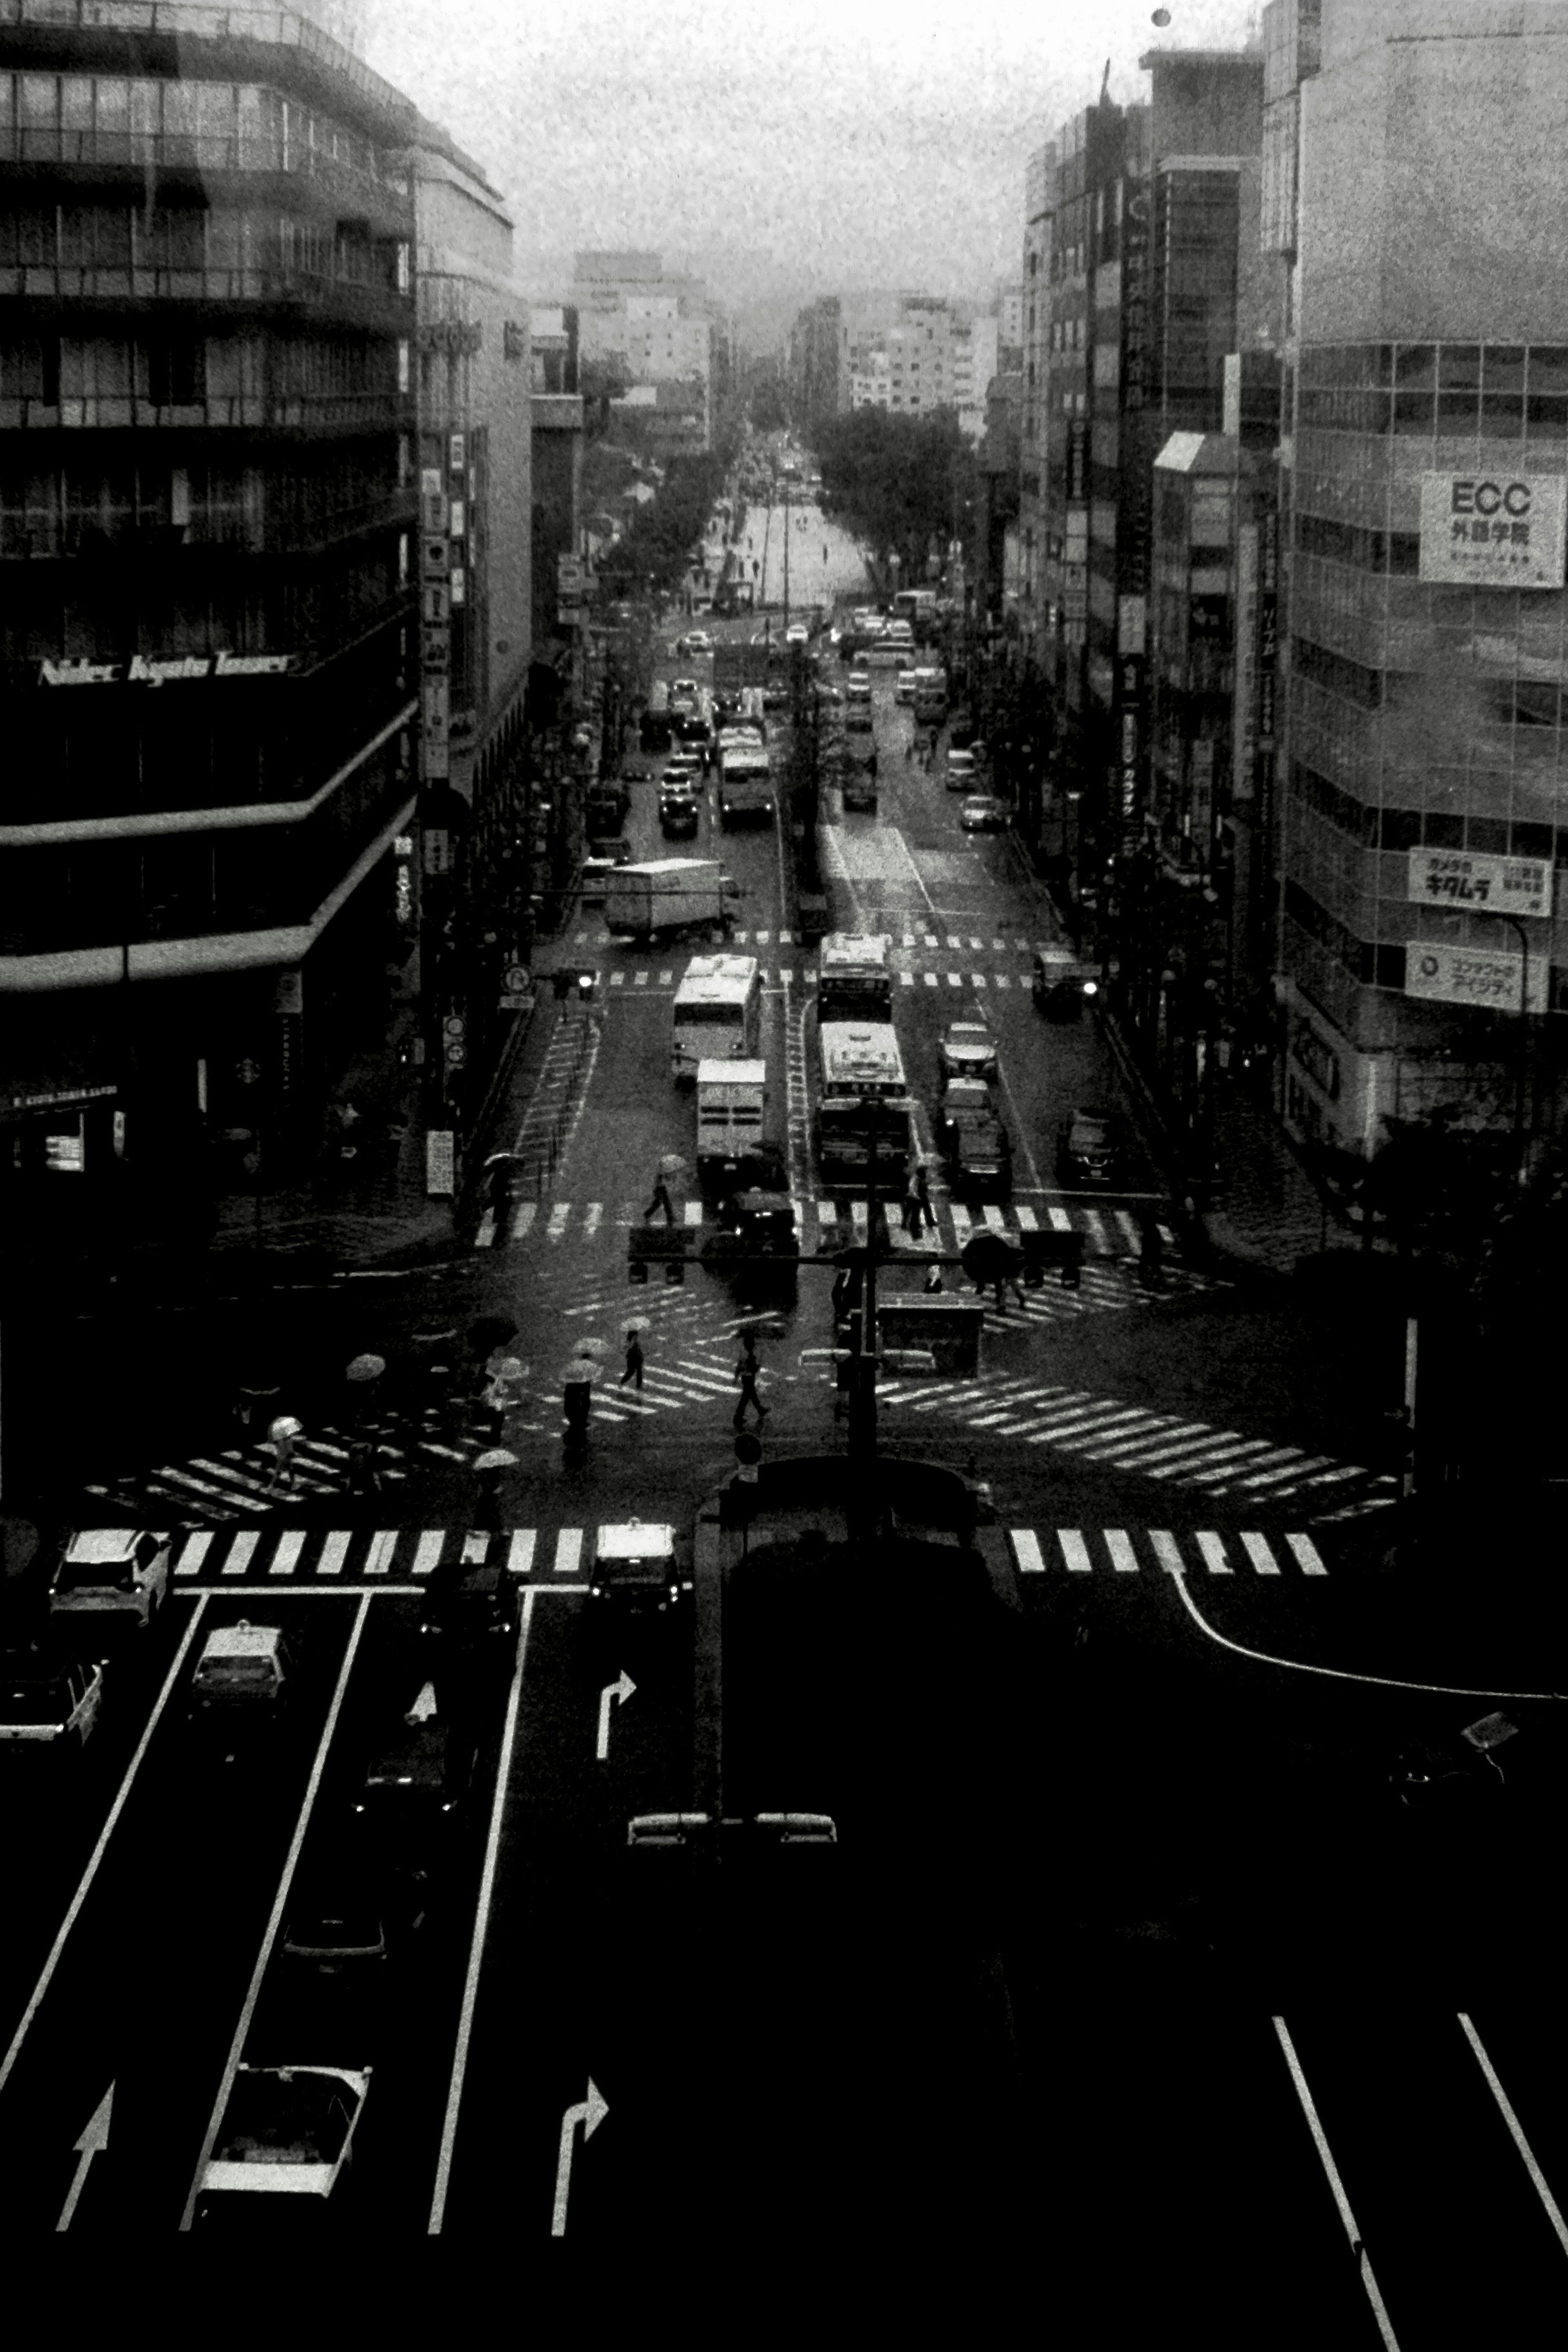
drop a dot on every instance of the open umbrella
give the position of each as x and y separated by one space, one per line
487 1333
366 1368
758 1326
988 1256
672 1164
497 1458
593 1348
581 1373
506 1367
509 1159
636 1323
285 1426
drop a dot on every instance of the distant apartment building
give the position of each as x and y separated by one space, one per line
814 370
1010 317
929 356
659 328
1039 215
1414 198
208 574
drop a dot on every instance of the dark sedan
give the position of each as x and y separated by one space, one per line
1093 1147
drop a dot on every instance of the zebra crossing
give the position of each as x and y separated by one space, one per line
1125 1551
334 1557
1163 1447
979 961
1110 1234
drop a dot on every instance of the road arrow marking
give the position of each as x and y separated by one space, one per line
622 1689
590 2112
94 2137
424 1706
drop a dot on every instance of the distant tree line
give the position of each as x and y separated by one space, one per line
898 482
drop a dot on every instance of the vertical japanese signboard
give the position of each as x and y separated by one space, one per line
435 630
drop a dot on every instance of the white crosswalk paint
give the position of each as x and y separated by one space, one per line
1167 1551
977 980
427 1551
930 979
1257 1550
639 980
1060 1221
192 1551
693 1214
1119 1544
1213 1550
907 979
1075 1551
666 980
333 1553
522 1224
592 1217
955 980
1027 1221
1307 1553
519 1552
568 1551
995 1219
1027 1551
558 1217
285 1559
930 939
1001 981
378 1558
238 1559
618 980
953 940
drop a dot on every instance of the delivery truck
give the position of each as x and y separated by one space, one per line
740 1145
661 896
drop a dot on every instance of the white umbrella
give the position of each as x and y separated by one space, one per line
366 1368
581 1374
285 1426
672 1164
498 1458
593 1348
638 1323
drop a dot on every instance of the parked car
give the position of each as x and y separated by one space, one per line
960 772
106 1572
1092 1147
982 813
858 686
286 2130
47 1702
1061 985
967 1050
696 641
904 687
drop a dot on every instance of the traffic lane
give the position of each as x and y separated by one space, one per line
557 1928
632 1113
151 1978
59 1803
1457 2236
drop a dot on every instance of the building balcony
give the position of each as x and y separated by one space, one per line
320 414
292 292
32 536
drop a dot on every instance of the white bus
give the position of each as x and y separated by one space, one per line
860 1058
718 1012
853 982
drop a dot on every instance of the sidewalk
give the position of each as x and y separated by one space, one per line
1267 1210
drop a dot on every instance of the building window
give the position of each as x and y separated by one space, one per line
402 364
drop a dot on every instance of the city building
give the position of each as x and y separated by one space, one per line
814 345
207 578
1424 816
930 354
473 385
657 329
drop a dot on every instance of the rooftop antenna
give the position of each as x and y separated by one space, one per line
1105 84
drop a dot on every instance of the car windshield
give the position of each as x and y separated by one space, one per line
288 2117
235 1670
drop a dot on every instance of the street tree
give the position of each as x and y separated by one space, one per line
897 482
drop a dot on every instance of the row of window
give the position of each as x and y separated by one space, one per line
1373 967
196 238
1401 829
166 612
1441 367
1422 413
174 369
45 509
206 125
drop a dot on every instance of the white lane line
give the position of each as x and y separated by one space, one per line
334 1552
481 1927
427 1551
953 939
1128 1226
1537 2178
1027 1551
1307 1553
568 1551
378 1558
1071 1424
977 980
618 980
171 1684
274 1919
1096 1230
1213 1549
1119 1544
1167 1551
1000 980
285 1559
666 980
1336 2185
1258 1551
193 1553
994 1218
1075 1551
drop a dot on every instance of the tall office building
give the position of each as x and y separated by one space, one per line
1424 818
206 583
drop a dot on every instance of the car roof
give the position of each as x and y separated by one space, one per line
970 1021
967 1093
110 1546
632 1539
243 1640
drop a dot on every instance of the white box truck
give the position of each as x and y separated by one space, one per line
662 896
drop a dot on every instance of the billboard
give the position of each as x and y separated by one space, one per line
1483 976
1492 530
1468 878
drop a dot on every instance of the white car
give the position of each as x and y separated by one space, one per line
44 1705
797 634
111 1572
858 686
961 772
698 641
968 1050
286 2131
904 686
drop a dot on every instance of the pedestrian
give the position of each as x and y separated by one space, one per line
1151 1253
280 1436
577 1396
746 1372
365 1467
660 1200
486 1518
872 767
933 1280
922 1196
634 1362
561 986
501 1179
910 1207
910 750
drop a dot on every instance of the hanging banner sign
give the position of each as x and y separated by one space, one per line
1484 976
139 671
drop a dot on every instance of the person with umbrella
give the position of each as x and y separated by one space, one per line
746 1372
487 1470
502 1169
280 1436
577 1396
670 1165
634 1353
503 1376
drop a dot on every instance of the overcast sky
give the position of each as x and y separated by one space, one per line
865 142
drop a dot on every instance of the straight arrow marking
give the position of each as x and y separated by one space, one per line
95 2137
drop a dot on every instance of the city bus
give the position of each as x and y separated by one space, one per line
718 1012
860 1058
915 606
850 1127
853 982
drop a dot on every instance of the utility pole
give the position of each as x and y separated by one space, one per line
786 556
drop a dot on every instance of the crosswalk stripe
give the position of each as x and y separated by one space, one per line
334 1552
378 1558
1001 980
291 1544
1097 1231
954 941
239 1553
955 980
827 1212
1138 1454
1167 1551
1187 1466
558 1216
1127 1224
1213 1550
1307 1553
1121 1451
963 1224
1298 1469
1027 1221
639 980
1119 1544
1027 1551
618 980
192 1551
1075 1551
693 1214
1060 1221
1082 1418
666 980
906 979
930 979
1226 1457
427 1551
522 1224
1255 1546
995 1219
568 1551
519 1552
977 980
592 1217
